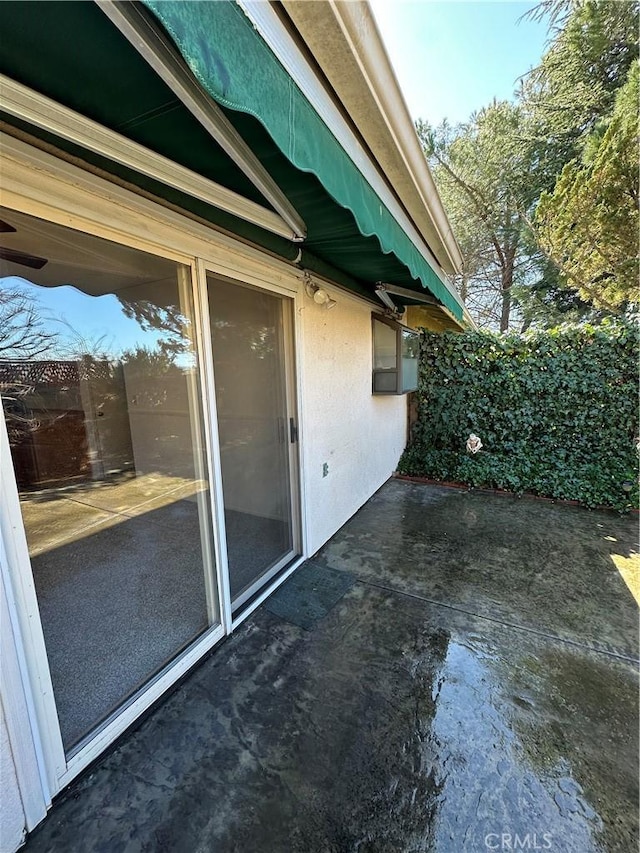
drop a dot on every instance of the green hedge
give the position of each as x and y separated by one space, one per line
557 412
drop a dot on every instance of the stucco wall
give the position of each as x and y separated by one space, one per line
359 436
11 812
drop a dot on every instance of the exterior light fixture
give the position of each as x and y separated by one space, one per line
627 486
317 293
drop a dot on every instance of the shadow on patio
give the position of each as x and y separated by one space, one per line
451 670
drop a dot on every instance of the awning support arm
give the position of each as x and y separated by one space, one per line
405 293
157 50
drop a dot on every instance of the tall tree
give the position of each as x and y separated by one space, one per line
485 172
493 170
566 105
589 225
546 302
593 45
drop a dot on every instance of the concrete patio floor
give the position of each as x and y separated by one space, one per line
450 671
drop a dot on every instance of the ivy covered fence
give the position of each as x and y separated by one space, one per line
556 412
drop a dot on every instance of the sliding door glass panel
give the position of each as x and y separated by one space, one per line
100 384
249 357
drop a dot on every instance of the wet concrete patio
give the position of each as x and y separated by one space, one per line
453 671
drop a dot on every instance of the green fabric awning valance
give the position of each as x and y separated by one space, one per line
237 68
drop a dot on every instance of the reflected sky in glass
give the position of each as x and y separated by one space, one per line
99 320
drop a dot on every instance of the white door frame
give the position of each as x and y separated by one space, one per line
264 586
21 595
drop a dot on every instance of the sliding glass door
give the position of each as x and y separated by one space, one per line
100 385
100 380
253 368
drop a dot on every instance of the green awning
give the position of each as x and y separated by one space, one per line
238 69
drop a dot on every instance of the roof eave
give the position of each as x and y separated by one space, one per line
345 42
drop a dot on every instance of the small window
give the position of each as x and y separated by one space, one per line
395 357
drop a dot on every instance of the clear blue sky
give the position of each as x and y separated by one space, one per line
452 58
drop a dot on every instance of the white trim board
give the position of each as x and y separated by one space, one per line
18 707
29 645
38 183
36 109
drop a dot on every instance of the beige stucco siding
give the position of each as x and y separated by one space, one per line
358 435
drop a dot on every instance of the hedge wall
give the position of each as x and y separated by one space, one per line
557 412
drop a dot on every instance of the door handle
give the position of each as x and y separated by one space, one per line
293 431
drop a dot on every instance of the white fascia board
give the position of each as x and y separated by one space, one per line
346 44
468 319
38 110
360 31
270 27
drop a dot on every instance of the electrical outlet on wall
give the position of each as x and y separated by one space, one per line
325 469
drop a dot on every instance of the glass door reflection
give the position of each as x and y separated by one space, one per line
100 384
252 362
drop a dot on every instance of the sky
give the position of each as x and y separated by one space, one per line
453 57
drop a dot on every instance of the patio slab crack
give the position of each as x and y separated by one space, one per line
504 623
